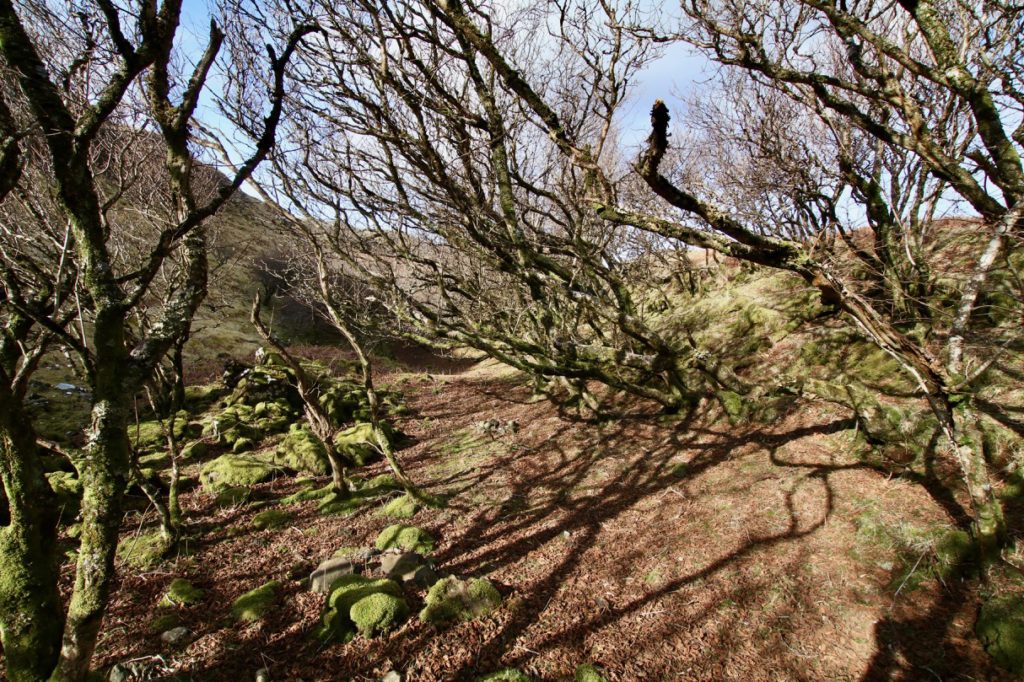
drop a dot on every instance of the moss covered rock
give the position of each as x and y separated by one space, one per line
404 507
1000 628
232 497
453 600
378 613
195 450
408 538
955 551
228 471
254 604
359 444
302 451
242 445
181 592
342 619
271 518
143 551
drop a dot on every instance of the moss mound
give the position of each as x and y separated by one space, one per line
454 600
408 538
181 593
232 497
403 507
358 443
363 605
378 613
253 604
588 673
230 471
68 490
301 451
144 551
271 518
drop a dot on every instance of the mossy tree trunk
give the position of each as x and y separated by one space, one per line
31 615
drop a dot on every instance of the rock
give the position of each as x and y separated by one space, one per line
176 637
404 507
408 538
253 604
181 593
301 451
263 675
392 676
321 579
454 599
119 673
359 444
378 613
229 471
408 567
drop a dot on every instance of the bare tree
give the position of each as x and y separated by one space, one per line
932 84
74 77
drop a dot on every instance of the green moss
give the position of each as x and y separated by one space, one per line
143 551
195 450
165 621
505 675
378 613
338 622
229 471
181 593
341 505
408 538
734 406
253 604
383 482
301 451
954 551
232 497
345 551
403 507
68 490
150 434
242 445
589 673
1000 628
308 494
454 599
271 518
358 443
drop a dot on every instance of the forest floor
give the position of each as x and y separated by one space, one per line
651 547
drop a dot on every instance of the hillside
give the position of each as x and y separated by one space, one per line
746 539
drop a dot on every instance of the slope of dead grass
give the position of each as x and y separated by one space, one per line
689 550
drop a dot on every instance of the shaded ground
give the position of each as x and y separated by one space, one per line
657 550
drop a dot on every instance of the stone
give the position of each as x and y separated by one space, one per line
263 675
408 538
378 613
176 637
321 579
454 599
408 567
392 676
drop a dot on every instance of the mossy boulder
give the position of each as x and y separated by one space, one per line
341 401
302 451
232 497
195 450
149 435
408 538
359 445
242 445
505 675
955 551
404 507
143 551
454 600
181 592
378 613
252 605
271 518
1000 628
229 471
342 619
